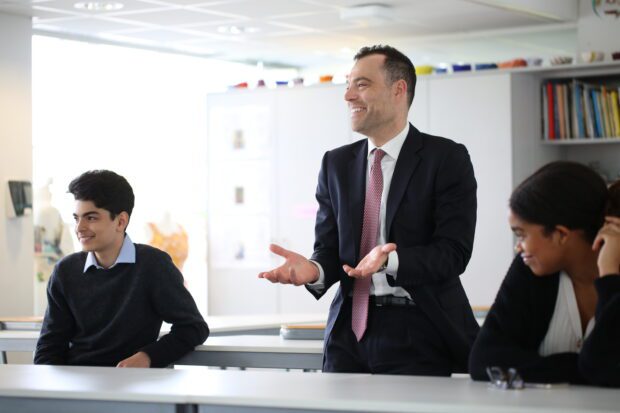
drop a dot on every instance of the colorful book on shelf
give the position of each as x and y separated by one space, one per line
561 115
588 111
615 106
598 122
567 111
545 113
551 110
604 102
612 117
578 109
573 112
603 108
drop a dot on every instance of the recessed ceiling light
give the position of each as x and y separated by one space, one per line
237 29
99 5
373 14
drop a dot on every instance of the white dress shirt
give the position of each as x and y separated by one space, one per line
127 255
379 285
564 334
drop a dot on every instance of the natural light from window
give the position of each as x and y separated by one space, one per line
141 114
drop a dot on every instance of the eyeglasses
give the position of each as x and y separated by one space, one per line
505 378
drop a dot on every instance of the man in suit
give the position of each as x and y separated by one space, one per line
395 226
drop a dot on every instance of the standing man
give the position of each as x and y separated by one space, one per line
395 226
106 304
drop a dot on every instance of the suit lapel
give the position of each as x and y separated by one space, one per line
408 160
357 192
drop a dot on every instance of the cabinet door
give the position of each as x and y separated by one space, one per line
310 122
475 111
240 201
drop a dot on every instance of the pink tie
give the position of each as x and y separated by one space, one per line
370 231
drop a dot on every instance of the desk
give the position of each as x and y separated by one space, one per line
21 323
263 391
48 388
257 351
18 340
268 324
27 388
222 351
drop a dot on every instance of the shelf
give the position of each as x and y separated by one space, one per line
581 141
579 69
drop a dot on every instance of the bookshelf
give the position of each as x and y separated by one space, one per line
593 130
580 108
530 148
583 141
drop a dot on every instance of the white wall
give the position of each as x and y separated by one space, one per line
475 111
16 235
596 30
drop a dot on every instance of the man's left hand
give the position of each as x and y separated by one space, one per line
140 359
371 263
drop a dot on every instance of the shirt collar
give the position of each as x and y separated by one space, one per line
127 255
393 146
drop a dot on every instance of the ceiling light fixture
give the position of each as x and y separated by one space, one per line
98 5
236 30
368 14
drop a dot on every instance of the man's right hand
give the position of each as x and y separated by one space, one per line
296 270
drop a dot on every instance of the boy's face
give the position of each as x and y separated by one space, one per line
96 230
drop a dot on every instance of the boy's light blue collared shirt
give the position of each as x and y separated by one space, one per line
126 256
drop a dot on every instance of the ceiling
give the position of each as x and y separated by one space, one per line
306 33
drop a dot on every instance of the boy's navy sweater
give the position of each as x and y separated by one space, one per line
102 316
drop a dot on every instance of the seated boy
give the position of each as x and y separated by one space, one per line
106 304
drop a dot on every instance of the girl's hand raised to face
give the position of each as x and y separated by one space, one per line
608 243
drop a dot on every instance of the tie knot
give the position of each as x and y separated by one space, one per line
379 154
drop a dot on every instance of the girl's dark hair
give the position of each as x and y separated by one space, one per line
613 206
562 193
106 189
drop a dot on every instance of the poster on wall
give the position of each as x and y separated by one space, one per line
242 242
239 132
246 190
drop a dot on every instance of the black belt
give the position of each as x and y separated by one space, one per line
386 300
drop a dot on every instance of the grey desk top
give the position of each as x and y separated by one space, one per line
288 390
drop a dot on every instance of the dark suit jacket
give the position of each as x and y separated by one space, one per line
518 322
431 216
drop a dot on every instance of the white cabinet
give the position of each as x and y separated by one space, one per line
473 111
264 151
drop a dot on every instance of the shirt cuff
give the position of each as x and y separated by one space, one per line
318 285
392 267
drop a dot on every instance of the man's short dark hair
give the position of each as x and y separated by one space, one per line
397 66
106 189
